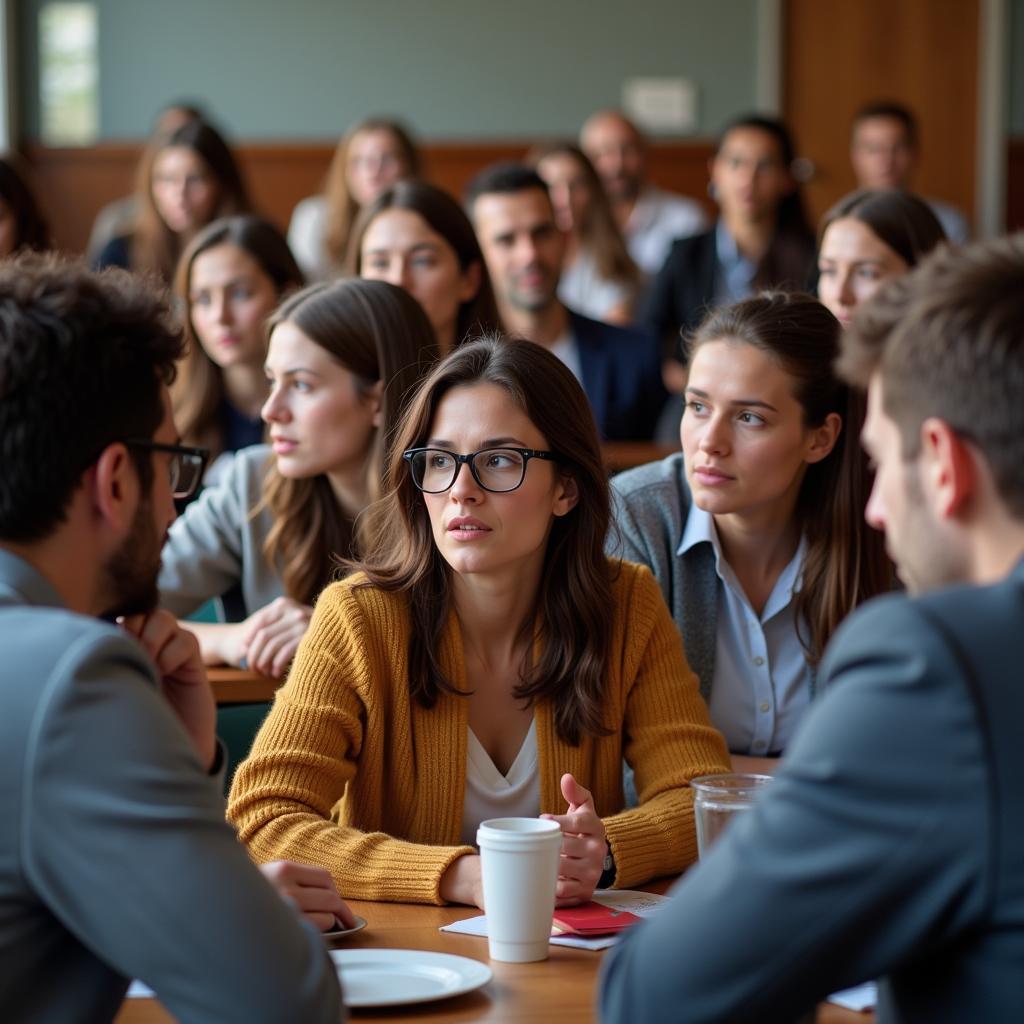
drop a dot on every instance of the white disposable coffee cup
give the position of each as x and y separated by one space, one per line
520 867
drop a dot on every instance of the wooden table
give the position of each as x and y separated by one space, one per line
239 686
561 989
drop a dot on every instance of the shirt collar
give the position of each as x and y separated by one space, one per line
24 581
727 250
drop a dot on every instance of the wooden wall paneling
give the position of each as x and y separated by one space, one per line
74 184
923 53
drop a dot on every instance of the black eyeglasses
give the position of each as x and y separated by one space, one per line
185 467
495 469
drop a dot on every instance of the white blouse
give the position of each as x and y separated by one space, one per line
489 794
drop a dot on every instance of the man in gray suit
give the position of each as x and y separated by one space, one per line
891 843
115 859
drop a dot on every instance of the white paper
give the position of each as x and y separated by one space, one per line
860 997
643 904
136 990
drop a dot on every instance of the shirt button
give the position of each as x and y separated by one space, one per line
759 661
764 706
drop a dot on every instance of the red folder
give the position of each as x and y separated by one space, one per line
590 919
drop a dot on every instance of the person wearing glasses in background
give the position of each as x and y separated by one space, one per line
115 860
488 661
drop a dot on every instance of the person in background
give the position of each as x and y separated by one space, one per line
373 155
760 240
891 842
514 219
342 361
755 530
599 278
416 236
22 224
884 152
229 280
866 239
118 218
115 859
488 638
186 180
650 218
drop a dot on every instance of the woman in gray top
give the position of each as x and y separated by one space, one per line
342 359
756 530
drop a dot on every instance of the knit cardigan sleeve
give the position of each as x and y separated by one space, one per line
307 753
668 739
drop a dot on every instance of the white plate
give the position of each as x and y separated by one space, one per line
344 933
394 977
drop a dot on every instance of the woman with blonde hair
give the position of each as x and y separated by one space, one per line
341 361
372 156
187 178
488 661
599 277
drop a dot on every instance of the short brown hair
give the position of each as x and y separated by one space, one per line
947 340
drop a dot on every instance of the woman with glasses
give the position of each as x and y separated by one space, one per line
488 661
341 360
187 178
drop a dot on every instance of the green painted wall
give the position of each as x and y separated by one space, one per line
469 69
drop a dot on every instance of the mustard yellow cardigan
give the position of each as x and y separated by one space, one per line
349 774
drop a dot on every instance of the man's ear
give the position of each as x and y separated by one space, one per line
568 495
114 488
948 470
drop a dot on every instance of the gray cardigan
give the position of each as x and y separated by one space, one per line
649 508
217 543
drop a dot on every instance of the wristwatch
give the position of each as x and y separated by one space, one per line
607 868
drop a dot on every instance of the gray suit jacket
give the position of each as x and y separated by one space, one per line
890 844
115 859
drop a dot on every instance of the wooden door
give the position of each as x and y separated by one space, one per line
841 54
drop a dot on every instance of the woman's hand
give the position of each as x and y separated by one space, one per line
311 890
270 637
463 882
584 845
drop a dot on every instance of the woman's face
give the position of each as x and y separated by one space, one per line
745 444
229 300
319 421
400 247
852 265
570 192
749 177
184 192
375 162
480 532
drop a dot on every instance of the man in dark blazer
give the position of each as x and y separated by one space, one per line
618 367
891 843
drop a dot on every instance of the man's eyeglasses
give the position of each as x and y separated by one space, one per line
185 466
495 469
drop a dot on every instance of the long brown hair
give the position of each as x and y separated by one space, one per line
155 248
599 233
845 562
478 315
574 600
380 334
342 208
198 390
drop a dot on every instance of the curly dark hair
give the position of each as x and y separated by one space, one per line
83 357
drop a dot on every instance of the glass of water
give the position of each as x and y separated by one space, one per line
717 798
